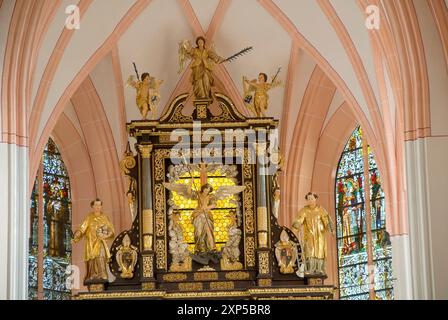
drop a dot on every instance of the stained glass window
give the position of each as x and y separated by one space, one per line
359 279
56 204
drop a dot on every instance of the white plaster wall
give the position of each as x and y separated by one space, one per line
390 95
419 218
104 81
437 72
354 19
204 10
69 111
337 101
96 25
14 217
427 176
303 72
48 44
312 23
402 269
437 156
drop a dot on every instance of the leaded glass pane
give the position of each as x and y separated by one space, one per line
351 228
56 226
354 280
350 164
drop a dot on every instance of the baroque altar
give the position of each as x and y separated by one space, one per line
238 250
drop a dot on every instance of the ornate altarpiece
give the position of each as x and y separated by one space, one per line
258 275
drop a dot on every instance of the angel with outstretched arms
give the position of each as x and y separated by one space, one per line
202 216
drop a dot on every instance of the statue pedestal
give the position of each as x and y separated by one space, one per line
96 285
201 108
315 280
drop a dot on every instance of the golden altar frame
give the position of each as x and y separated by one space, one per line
260 276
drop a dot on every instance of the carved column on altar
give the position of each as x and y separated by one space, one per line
147 231
264 255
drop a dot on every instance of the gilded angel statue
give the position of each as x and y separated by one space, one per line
257 102
203 60
204 238
148 93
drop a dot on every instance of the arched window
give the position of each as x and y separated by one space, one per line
51 213
364 248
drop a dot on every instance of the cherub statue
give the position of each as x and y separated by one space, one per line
181 260
286 253
258 102
205 247
231 251
148 94
126 258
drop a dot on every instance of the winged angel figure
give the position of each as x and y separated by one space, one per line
203 60
202 216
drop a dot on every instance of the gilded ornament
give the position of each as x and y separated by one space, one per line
148 285
174 277
190 286
160 254
248 202
250 251
126 257
222 285
205 276
263 262
148 271
237 275
145 150
286 253
128 162
264 282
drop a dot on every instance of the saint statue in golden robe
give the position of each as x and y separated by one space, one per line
96 228
312 225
